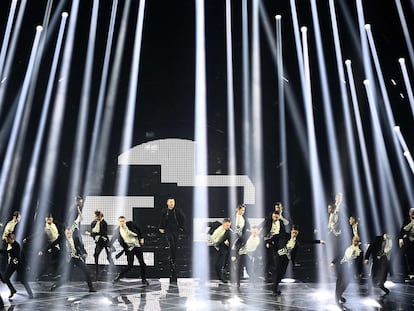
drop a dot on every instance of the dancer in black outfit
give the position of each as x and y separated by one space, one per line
75 254
272 229
10 227
172 223
380 251
50 238
99 233
406 242
285 249
247 255
345 268
220 237
130 237
15 263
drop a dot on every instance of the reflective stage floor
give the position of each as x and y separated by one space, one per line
191 294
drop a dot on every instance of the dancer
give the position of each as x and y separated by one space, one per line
380 251
75 255
50 240
406 242
285 249
272 228
345 266
220 239
15 263
10 227
130 237
99 233
247 256
172 223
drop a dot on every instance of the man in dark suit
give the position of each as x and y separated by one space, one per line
380 251
220 239
99 233
406 241
172 223
75 255
15 262
11 227
272 228
48 244
130 237
247 255
345 268
285 249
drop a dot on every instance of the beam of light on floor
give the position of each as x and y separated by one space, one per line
246 119
98 162
350 140
78 155
291 97
231 140
317 189
406 151
90 187
284 177
257 122
6 40
364 45
363 147
11 158
129 118
407 83
319 215
26 203
52 150
231 155
390 117
407 35
335 169
200 198
11 53
388 193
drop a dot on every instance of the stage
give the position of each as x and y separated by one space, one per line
193 294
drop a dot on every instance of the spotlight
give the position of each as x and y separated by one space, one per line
348 62
396 128
303 29
401 60
368 27
278 17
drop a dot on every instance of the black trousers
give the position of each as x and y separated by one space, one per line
344 273
135 252
409 256
379 270
11 268
280 264
98 249
51 262
248 262
66 268
172 239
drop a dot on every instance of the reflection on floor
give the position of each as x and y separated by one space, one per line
192 294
